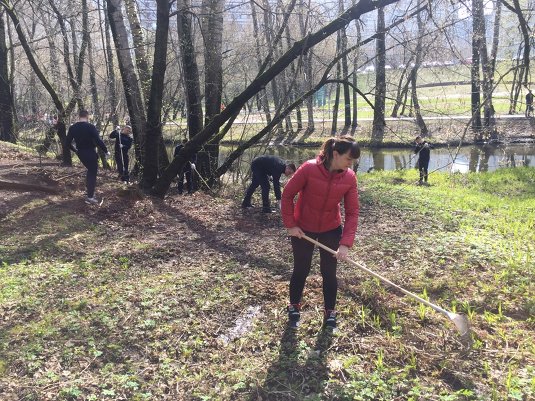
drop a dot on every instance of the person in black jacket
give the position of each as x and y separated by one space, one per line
86 138
123 143
529 103
187 171
423 150
262 168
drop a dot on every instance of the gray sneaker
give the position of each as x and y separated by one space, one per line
329 319
92 201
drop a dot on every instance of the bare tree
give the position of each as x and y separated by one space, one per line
7 129
190 68
132 90
298 48
378 129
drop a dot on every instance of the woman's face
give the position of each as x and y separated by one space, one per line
342 161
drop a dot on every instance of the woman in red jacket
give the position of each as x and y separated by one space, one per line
321 184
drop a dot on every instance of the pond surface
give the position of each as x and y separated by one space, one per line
469 158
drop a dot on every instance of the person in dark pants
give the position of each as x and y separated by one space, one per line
320 185
529 103
423 150
187 171
86 138
262 168
123 143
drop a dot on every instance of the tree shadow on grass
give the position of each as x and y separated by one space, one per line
288 378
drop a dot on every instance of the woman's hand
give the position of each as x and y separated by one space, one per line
342 252
296 232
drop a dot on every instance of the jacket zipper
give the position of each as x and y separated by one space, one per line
325 201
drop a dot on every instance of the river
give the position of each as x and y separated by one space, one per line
469 158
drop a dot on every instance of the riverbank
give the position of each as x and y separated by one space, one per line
400 133
144 299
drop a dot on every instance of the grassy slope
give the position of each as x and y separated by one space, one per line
131 304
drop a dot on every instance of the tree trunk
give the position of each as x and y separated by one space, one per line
190 69
263 97
7 129
378 129
154 109
414 76
307 67
486 65
130 80
271 43
475 78
334 124
110 69
345 74
212 26
139 46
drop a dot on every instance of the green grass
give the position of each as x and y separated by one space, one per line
125 318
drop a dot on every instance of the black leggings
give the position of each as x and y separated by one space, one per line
303 250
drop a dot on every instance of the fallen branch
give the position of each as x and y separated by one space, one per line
19 186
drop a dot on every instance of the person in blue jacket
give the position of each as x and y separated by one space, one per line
86 138
123 143
187 171
262 168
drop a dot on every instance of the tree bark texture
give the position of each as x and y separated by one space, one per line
132 90
7 128
378 129
140 53
154 109
190 68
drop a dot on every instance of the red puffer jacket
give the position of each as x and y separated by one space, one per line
318 206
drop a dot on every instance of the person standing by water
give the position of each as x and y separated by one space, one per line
187 171
529 103
321 185
423 150
86 138
123 143
262 168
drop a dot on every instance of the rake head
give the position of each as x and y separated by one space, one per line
463 327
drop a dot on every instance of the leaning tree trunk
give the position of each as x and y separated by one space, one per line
7 129
299 47
378 129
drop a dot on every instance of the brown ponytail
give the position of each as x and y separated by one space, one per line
341 145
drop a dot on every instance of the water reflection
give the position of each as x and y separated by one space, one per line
470 158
